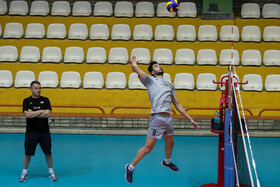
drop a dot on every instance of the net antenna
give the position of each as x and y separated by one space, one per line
231 91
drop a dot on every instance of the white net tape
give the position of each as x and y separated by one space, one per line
243 137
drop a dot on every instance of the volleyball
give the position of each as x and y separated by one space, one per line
173 6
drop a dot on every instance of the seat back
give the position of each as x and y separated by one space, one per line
93 80
29 54
96 55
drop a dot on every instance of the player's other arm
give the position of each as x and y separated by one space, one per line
180 108
136 69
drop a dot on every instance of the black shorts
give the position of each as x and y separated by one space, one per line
32 139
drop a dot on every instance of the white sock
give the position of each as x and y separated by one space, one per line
51 170
167 161
24 171
131 167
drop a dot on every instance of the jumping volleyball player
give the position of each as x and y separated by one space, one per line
161 94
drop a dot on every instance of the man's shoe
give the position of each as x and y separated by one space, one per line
171 166
23 177
52 176
128 174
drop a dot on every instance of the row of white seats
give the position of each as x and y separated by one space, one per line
79 31
101 8
117 80
252 10
119 55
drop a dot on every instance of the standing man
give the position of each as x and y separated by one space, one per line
161 94
37 109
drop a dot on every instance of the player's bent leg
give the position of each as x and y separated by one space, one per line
147 148
149 145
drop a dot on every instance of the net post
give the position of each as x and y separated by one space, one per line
229 169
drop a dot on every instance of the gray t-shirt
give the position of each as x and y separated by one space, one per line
160 92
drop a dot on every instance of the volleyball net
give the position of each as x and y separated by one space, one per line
245 172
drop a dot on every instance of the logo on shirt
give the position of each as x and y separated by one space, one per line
42 102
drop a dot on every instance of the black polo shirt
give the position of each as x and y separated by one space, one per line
36 125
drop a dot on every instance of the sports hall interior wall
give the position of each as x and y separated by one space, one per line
108 99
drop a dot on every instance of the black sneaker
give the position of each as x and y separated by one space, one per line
171 166
128 174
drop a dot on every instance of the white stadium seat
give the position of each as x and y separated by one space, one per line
118 55
74 55
103 8
3 8
56 31
13 30
144 9
134 82
187 9
271 58
143 32
19 8
115 80
255 82
8 54
6 79
251 34
163 56
167 77
229 33
205 81
234 78
35 30
93 80
24 78
164 32
29 54
60 8
70 79
39 8
123 9
271 34
142 55
185 56
48 79
271 10
81 8
96 55
226 57
206 57
207 33
121 32
163 12
184 81
78 31
52 54
250 10
272 83
251 57
186 33
99 32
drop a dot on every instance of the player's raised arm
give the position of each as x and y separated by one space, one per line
136 69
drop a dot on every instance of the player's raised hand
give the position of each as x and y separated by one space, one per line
133 60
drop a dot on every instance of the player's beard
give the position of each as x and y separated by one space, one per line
159 72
